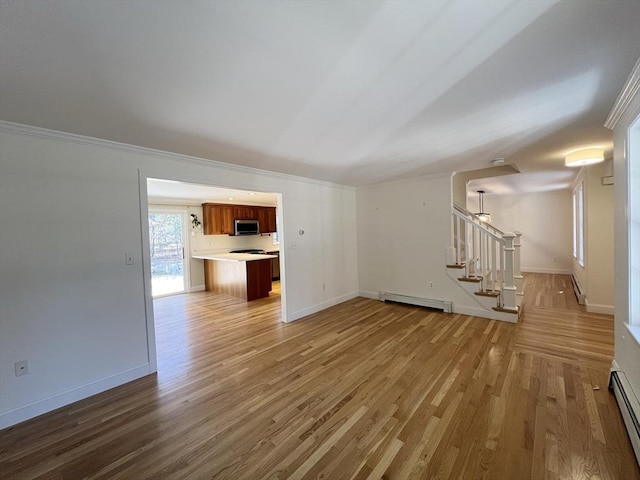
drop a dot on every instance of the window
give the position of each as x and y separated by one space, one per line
578 224
633 219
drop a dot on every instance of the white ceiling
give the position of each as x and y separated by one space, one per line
354 92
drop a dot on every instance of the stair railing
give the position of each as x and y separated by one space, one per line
488 254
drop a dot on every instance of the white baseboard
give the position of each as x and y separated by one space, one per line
196 288
321 306
26 412
464 310
598 308
555 271
490 313
368 294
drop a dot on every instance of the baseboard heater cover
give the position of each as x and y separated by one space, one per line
578 291
629 408
444 305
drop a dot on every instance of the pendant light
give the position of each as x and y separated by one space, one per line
482 215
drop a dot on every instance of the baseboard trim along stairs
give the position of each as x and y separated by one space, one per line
629 407
489 299
443 305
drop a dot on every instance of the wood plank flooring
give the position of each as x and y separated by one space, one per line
363 390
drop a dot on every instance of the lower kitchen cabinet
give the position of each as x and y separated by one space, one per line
248 280
275 265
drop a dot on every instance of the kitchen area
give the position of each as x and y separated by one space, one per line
244 273
231 243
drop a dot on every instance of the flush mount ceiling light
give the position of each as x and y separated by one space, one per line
585 156
482 215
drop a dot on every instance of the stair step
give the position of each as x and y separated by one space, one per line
457 265
488 293
470 279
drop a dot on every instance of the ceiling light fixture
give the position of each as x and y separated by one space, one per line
482 215
497 161
584 156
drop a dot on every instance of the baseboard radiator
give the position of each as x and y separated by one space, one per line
629 408
444 305
578 291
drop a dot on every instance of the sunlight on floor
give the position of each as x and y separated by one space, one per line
167 284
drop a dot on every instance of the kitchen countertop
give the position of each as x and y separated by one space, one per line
234 257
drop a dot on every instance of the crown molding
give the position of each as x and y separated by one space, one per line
29 130
630 89
401 181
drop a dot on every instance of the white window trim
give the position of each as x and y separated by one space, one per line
578 223
632 152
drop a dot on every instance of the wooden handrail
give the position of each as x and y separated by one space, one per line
466 212
493 232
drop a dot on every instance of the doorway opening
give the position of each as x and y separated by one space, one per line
163 198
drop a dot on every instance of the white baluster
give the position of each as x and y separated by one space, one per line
494 266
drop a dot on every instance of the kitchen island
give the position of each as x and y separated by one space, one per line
242 275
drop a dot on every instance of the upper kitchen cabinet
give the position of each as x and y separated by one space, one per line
267 219
217 219
245 212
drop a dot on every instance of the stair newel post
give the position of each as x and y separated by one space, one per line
509 288
517 273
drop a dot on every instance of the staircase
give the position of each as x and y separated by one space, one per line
486 264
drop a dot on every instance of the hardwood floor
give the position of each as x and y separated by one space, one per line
364 390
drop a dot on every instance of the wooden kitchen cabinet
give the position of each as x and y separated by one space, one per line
267 219
217 219
248 280
245 212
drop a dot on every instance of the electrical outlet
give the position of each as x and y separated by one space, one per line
21 368
324 287
430 284
128 259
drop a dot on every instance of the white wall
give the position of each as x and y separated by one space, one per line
627 348
70 210
599 233
404 229
596 275
545 221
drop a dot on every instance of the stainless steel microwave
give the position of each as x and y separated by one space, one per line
246 227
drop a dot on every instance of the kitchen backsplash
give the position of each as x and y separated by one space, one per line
201 243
